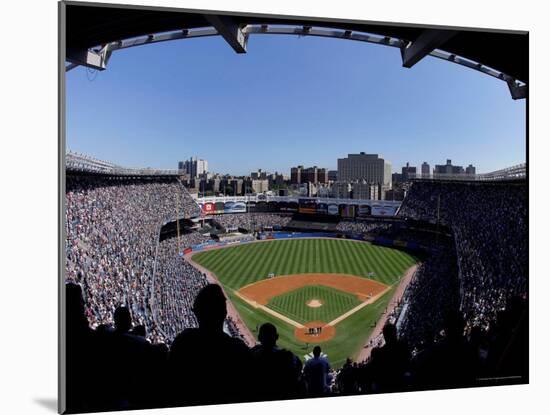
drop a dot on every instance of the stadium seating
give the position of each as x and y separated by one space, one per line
135 339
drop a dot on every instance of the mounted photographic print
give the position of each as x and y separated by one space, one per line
260 207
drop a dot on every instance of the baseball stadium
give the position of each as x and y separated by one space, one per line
336 275
174 297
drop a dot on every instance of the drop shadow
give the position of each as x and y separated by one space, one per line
48 403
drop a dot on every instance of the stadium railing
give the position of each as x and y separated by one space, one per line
517 172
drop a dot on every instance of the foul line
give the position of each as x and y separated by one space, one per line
357 308
269 311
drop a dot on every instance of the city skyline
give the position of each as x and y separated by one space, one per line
289 102
395 169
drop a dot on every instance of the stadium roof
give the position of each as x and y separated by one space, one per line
94 31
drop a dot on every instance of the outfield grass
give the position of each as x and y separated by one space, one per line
293 304
244 264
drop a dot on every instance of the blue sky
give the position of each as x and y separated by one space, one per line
289 101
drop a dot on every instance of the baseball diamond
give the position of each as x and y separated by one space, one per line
350 284
333 303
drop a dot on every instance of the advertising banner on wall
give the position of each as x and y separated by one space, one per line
261 207
322 209
251 206
208 208
347 211
381 210
363 211
235 207
333 209
307 206
292 207
219 207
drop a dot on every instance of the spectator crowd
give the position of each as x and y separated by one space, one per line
450 360
112 231
114 366
251 221
176 285
489 223
358 226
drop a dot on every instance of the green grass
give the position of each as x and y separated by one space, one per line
238 266
293 304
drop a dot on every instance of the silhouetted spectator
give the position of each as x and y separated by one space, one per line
138 331
277 370
450 361
206 365
390 363
79 352
316 374
123 320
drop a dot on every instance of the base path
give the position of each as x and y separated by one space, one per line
367 349
262 291
359 307
269 311
259 293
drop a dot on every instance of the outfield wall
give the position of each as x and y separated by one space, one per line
266 236
344 208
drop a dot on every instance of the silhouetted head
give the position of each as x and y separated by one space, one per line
209 307
139 331
454 326
317 351
390 333
76 318
75 303
123 320
103 328
268 335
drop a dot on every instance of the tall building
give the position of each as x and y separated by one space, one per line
213 185
396 178
471 170
315 175
235 187
333 175
259 186
368 167
448 168
406 171
425 169
279 179
259 175
310 175
296 175
194 167
322 176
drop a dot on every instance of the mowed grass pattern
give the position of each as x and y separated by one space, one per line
245 264
294 304
238 266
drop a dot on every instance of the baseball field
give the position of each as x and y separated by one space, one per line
315 291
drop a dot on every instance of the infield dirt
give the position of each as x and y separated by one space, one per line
262 291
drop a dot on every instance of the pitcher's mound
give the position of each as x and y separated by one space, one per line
326 332
314 303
